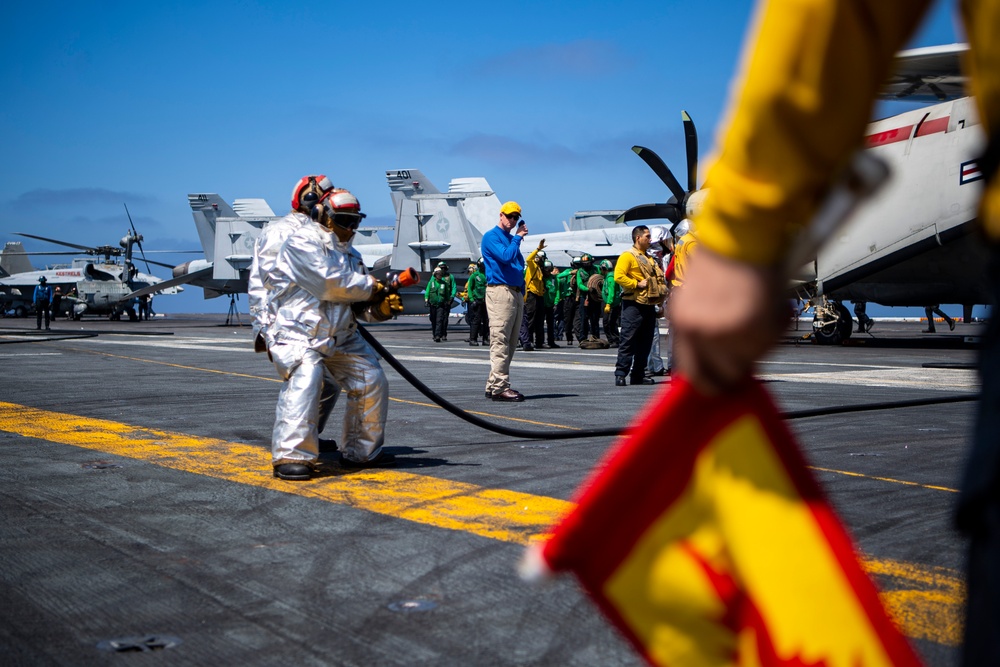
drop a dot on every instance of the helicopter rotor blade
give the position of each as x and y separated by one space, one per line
86 249
163 264
42 254
661 169
138 242
691 147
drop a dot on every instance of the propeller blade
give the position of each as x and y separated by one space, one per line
660 168
691 146
68 245
671 212
137 237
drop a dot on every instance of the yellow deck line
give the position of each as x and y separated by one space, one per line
925 601
503 515
891 480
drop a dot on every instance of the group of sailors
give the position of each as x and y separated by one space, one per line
561 306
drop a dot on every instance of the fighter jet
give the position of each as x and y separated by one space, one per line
228 234
433 226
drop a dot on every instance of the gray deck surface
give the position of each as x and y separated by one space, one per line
97 546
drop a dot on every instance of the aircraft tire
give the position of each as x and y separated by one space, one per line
835 331
20 311
844 322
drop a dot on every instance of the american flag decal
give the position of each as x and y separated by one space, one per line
969 173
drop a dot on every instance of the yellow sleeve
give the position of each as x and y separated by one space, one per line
681 256
623 268
810 76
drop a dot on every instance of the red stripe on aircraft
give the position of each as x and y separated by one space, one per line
903 133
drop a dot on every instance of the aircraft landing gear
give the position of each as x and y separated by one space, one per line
832 324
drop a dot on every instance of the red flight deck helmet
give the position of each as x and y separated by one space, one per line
308 191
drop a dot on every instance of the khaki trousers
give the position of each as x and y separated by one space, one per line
505 307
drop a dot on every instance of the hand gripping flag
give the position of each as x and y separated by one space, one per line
706 540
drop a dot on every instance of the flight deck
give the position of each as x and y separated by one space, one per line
140 514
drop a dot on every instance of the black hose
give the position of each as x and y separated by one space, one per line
882 405
617 431
477 421
44 338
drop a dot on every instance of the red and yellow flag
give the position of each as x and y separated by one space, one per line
706 540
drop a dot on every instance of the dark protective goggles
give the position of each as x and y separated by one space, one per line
513 216
347 220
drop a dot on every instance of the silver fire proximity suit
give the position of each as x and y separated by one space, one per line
315 280
259 287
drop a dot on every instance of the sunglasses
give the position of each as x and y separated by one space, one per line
513 216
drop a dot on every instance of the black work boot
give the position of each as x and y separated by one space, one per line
296 472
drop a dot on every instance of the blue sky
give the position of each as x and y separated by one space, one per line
108 103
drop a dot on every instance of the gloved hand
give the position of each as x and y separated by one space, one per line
541 244
378 291
607 309
389 306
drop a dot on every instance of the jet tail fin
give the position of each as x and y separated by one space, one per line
206 209
434 226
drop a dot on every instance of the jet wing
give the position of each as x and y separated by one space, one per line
173 282
929 74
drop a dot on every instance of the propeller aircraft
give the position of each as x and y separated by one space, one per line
912 244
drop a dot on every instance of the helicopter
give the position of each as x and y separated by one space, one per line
88 285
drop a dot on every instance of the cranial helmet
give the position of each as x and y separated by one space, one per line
43 279
605 265
443 266
548 264
586 259
341 209
540 256
308 192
